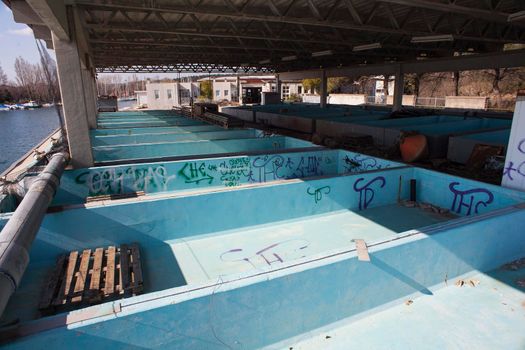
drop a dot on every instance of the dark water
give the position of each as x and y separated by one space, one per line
22 130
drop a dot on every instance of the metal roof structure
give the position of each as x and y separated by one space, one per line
284 35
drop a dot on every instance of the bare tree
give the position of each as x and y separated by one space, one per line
3 76
26 76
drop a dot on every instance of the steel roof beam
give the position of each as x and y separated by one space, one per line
287 19
490 16
506 59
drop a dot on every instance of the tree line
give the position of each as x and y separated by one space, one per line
500 85
33 81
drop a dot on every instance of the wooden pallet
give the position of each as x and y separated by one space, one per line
92 277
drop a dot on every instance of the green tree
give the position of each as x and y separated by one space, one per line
336 84
206 89
311 85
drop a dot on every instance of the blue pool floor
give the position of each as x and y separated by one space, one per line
209 257
268 246
490 315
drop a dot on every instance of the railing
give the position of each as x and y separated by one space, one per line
433 102
428 102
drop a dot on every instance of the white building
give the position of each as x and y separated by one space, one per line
226 88
166 95
142 97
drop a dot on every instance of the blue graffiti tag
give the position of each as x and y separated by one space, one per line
459 200
360 162
366 194
268 167
511 168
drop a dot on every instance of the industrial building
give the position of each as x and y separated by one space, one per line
271 226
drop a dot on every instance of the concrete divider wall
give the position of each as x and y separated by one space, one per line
460 147
172 137
347 99
466 102
154 130
76 185
195 148
408 100
315 290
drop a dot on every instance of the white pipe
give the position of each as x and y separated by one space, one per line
19 233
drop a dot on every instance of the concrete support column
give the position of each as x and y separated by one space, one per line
90 97
324 89
399 84
73 102
239 94
513 176
278 86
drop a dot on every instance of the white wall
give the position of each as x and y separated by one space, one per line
142 97
513 173
186 90
470 102
347 99
222 87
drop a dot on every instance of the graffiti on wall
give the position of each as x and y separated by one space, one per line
234 171
513 169
275 253
197 172
361 162
469 199
267 168
123 180
230 172
367 191
318 193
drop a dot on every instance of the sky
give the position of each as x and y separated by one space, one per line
17 40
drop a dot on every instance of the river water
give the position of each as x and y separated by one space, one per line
22 130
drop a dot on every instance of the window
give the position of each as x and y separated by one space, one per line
286 91
225 93
157 95
299 89
217 93
170 96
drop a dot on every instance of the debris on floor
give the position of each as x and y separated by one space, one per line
514 265
471 282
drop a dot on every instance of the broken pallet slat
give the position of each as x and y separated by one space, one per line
109 286
94 285
90 277
65 287
137 270
124 270
52 283
81 276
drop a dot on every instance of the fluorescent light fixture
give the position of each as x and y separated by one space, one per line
265 61
432 38
289 58
322 53
517 16
367 47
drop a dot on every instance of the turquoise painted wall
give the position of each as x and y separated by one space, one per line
248 312
171 137
175 149
153 130
76 185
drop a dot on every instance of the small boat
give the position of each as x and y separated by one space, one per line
4 107
31 105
